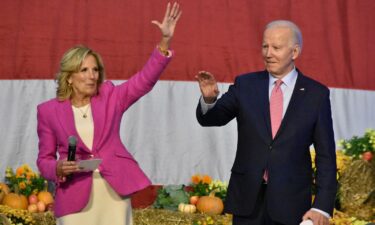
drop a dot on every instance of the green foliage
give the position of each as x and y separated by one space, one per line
204 189
200 189
203 185
356 146
24 181
170 196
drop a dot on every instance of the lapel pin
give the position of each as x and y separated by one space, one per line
302 89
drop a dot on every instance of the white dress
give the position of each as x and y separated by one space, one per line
105 205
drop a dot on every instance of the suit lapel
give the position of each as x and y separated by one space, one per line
299 92
98 115
262 90
65 117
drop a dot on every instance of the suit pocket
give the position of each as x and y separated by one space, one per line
242 191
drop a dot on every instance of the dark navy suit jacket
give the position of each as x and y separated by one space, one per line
287 158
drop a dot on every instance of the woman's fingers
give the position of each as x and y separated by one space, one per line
172 15
70 167
175 10
167 12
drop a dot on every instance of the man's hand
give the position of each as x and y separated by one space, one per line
208 86
316 217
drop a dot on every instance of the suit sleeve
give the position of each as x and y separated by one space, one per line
143 81
46 160
324 144
225 109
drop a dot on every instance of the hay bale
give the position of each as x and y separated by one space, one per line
46 218
21 216
4 220
150 216
357 190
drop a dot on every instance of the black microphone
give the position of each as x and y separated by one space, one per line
72 152
72 148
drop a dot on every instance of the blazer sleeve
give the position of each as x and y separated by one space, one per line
324 144
46 160
143 81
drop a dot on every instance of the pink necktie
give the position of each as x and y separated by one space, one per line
276 107
276 110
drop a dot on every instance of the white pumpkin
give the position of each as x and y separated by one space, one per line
187 208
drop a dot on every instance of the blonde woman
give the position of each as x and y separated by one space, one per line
90 109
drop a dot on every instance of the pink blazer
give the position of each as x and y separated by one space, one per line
119 169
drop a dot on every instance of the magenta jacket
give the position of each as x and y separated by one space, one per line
119 169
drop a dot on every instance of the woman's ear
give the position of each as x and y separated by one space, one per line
70 80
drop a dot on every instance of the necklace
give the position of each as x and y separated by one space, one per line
84 112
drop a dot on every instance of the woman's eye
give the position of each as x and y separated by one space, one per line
83 69
96 69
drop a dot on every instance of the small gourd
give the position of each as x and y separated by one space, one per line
45 196
187 208
4 190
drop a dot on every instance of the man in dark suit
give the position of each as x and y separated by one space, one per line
280 113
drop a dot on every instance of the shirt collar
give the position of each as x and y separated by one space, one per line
287 79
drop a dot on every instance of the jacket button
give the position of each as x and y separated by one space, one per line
270 147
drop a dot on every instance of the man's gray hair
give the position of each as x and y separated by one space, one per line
289 24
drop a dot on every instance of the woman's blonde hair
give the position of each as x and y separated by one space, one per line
71 63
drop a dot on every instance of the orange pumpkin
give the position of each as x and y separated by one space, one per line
210 204
45 197
15 201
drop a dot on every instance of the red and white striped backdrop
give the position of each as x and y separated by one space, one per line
220 36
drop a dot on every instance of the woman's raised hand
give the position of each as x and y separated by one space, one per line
167 26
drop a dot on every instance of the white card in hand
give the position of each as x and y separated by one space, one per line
307 222
89 164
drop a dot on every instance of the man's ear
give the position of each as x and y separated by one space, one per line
296 52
